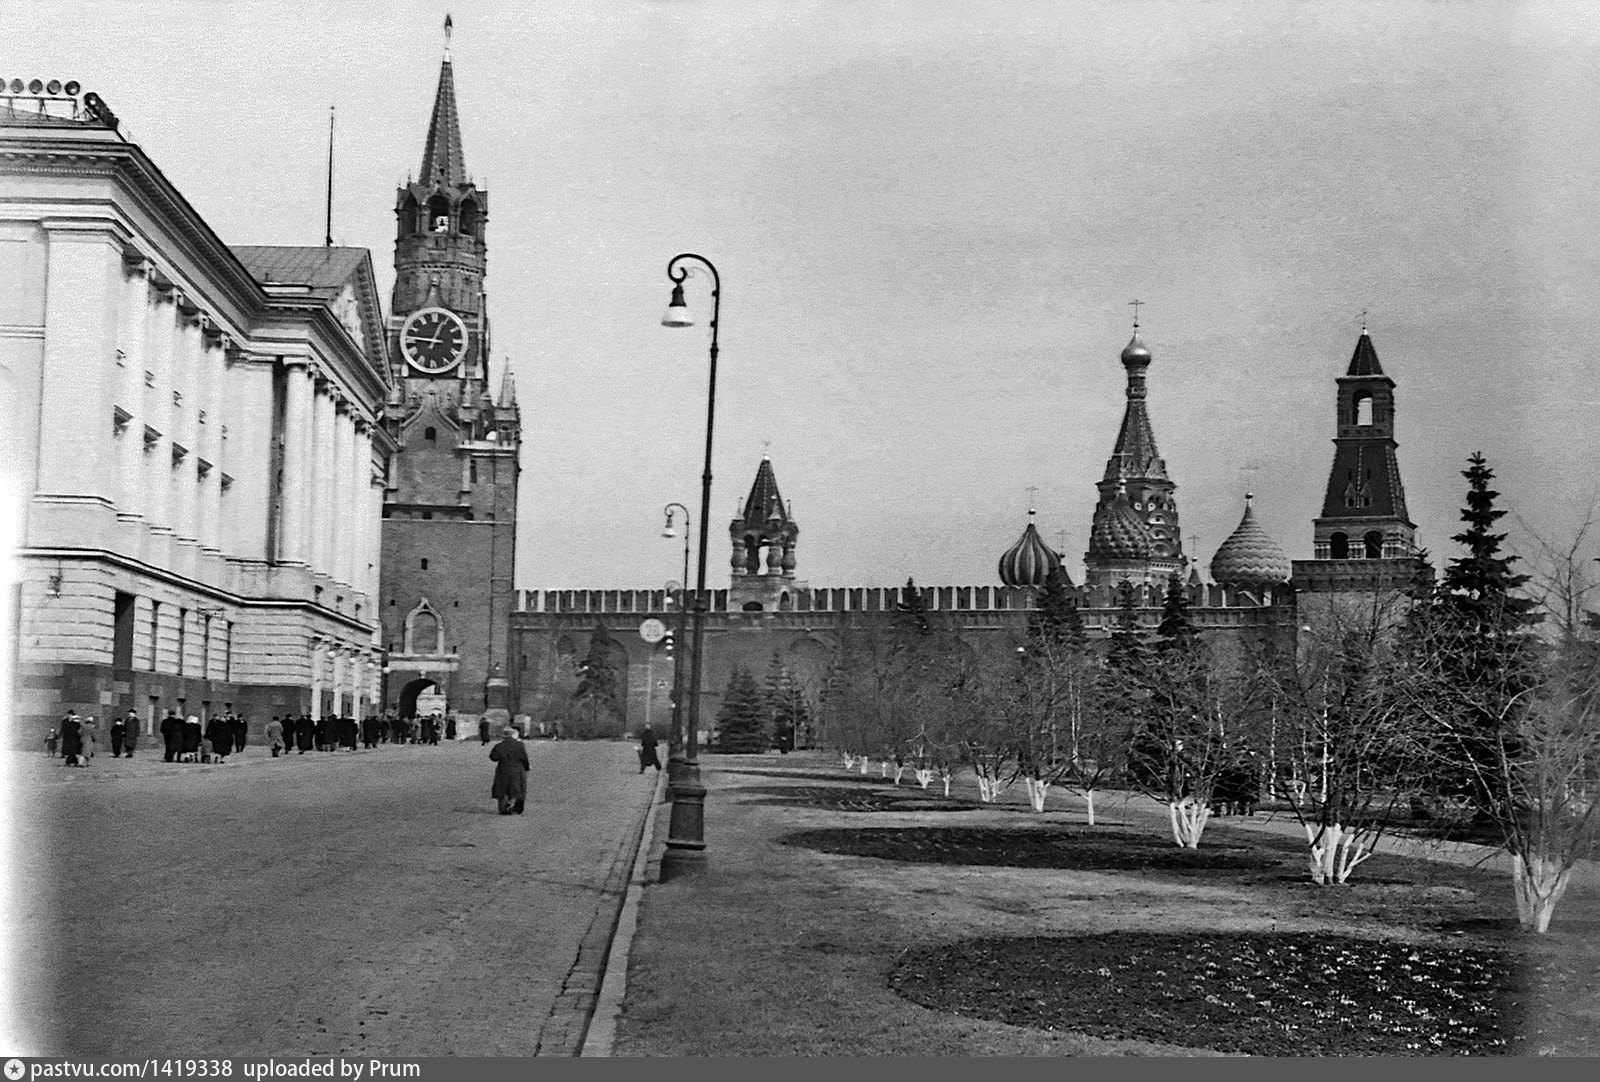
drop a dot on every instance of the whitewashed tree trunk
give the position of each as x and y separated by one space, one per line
899 771
865 763
1337 852
945 777
883 769
849 762
1189 818
1088 797
1036 792
924 777
986 789
1538 885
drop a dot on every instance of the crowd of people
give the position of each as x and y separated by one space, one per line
186 740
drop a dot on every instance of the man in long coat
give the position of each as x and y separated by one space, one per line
275 735
510 788
72 739
130 733
241 732
305 734
219 733
172 736
119 732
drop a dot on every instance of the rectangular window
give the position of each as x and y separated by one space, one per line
183 620
155 633
205 649
122 624
227 652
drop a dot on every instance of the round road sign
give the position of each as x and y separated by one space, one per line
652 630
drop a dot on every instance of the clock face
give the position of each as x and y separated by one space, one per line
434 340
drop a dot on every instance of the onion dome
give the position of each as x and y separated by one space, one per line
1030 561
1250 557
1135 351
1119 533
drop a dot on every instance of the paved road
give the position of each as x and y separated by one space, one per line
332 903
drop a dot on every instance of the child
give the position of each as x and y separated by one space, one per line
50 741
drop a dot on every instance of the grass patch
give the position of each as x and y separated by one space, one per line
848 799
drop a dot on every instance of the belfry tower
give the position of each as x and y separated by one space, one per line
1364 539
1135 534
450 507
764 524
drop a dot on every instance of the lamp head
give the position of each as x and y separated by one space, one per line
677 311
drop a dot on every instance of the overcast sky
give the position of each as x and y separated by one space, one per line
929 219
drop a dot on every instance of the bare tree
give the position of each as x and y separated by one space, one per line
1562 577
1351 737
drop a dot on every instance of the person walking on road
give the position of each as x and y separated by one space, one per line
483 730
72 739
510 773
305 734
172 735
275 735
130 734
219 733
647 750
119 732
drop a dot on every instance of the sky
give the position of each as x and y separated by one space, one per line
929 219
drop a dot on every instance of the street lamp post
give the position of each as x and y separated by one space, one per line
686 843
675 737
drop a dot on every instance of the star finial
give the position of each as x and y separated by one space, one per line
1363 321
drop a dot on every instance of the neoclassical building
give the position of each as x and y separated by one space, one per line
193 459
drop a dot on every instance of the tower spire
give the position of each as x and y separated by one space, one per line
442 161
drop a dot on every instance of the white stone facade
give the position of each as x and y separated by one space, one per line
192 461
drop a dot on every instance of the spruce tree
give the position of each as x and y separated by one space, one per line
1057 619
913 610
742 722
1176 629
785 709
599 686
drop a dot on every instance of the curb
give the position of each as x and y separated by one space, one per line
565 1030
602 1033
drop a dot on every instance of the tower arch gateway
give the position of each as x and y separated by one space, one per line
450 505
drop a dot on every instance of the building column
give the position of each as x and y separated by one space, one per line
317 651
212 444
131 392
163 329
358 666
247 406
345 520
185 430
294 527
322 510
336 683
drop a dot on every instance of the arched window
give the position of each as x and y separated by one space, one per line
408 216
752 555
1338 546
1374 545
424 563
438 214
430 434
424 630
1363 409
470 219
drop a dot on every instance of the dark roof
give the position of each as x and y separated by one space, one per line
325 270
1364 361
442 161
764 499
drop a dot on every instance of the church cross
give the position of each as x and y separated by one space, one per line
1136 303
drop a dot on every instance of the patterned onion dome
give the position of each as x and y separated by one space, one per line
1030 561
1250 557
1120 534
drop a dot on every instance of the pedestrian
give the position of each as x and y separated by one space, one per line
91 738
219 734
51 740
119 732
483 730
130 733
172 735
241 732
510 787
192 736
72 739
305 734
647 750
275 735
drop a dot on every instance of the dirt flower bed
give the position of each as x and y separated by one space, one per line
851 799
1078 849
1260 994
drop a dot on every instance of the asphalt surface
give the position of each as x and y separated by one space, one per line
355 903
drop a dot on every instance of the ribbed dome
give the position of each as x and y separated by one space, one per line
1028 562
1250 557
1135 352
1120 534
